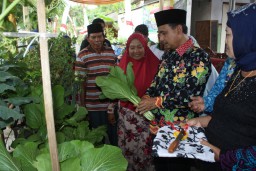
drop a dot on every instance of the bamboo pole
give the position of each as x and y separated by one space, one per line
48 105
161 5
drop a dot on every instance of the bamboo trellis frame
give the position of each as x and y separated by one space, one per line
48 104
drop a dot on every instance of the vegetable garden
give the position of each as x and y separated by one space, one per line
27 92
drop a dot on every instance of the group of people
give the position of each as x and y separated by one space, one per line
172 88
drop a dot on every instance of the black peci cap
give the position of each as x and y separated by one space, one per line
171 16
94 28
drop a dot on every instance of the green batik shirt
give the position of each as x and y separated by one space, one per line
182 74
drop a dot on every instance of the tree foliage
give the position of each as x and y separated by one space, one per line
104 10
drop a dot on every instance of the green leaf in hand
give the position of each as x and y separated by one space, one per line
114 86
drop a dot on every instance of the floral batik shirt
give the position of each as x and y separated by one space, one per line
182 74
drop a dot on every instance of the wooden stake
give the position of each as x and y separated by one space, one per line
48 105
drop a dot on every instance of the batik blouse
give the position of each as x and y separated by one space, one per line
225 74
183 73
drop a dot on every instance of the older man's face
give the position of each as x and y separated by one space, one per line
96 40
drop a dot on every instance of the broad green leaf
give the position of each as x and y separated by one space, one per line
34 138
130 78
5 76
2 103
106 158
66 150
78 116
81 147
58 96
72 149
117 72
42 132
96 135
4 124
60 137
71 164
26 154
37 91
18 141
63 111
113 88
6 113
6 67
7 163
102 96
69 132
4 87
34 115
43 162
17 101
71 122
80 132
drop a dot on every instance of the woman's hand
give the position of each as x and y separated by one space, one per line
197 104
215 149
194 122
146 104
202 121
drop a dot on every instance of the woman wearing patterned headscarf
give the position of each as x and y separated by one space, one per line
133 130
231 130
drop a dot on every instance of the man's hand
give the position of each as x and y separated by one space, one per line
202 121
146 104
197 104
215 149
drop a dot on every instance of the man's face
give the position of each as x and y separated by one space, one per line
168 36
96 40
229 43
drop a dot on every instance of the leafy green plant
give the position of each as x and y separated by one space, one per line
104 10
70 121
110 32
73 155
13 94
61 58
118 85
8 48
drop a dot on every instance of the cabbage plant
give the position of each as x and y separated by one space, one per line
118 85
